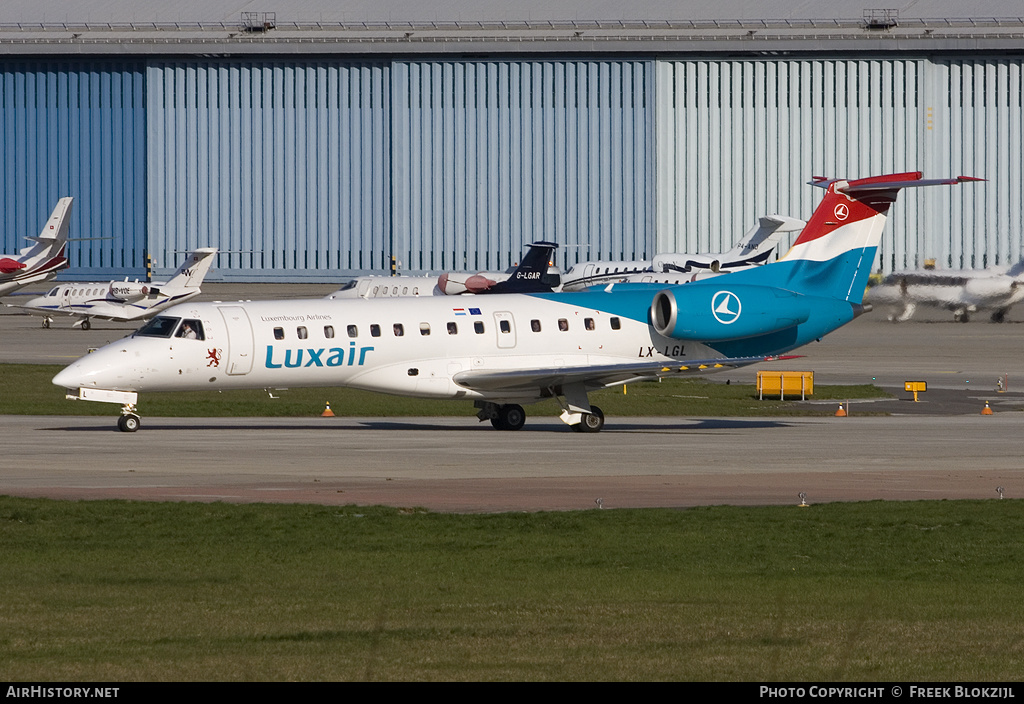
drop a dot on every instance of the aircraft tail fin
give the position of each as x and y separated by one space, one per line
46 254
757 244
192 272
1016 270
834 253
531 276
55 231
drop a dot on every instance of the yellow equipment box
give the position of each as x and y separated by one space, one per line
782 383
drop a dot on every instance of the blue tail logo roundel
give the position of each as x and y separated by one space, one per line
725 306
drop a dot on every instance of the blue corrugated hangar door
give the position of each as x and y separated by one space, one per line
492 155
283 165
75 128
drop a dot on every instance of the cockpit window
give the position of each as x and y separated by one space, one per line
54 291
159 326
191 330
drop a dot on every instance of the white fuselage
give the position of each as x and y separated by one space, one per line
416 350
958 291
113 300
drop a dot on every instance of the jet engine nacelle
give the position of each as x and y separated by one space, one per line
716 314
9 266
129 290
452 284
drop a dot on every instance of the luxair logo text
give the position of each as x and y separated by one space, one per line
308 357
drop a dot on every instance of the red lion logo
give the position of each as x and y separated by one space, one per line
214 356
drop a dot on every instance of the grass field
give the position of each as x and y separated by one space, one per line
25 389
902 591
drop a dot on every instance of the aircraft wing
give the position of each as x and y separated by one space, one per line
93 309
595 377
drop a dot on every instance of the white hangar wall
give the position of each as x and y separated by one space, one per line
283 165
736 139
319 168
323 169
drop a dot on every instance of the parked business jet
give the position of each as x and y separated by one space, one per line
123 300
41 261
753 248
964 292
505 350
535 273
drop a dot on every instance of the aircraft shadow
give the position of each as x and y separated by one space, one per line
198 425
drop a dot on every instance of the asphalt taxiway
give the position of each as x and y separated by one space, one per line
940 447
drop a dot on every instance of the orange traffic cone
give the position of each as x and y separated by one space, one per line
841 413
328 413
986 411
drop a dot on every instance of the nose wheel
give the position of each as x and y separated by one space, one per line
129 421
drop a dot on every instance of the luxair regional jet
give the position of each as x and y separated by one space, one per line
123 300
505 350
42 260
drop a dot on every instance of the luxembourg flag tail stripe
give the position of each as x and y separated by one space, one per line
834 253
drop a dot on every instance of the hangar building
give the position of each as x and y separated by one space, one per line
312 141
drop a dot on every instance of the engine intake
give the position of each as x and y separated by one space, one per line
710 313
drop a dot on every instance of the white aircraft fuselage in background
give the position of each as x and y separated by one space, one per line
753 249
123 300
962 292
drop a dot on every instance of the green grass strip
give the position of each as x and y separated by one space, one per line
25 389
878 591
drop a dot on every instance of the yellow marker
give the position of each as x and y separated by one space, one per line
915 387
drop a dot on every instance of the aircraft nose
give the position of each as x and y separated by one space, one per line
104 369
68 378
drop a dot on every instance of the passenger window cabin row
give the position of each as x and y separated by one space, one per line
398 329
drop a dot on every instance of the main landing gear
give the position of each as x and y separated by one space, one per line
508 416
511 416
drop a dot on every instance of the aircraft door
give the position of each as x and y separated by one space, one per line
240 342
506 329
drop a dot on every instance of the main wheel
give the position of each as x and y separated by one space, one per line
128 423
592 422
46 322
511 416
86 325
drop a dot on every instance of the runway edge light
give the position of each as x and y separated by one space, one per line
328 413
